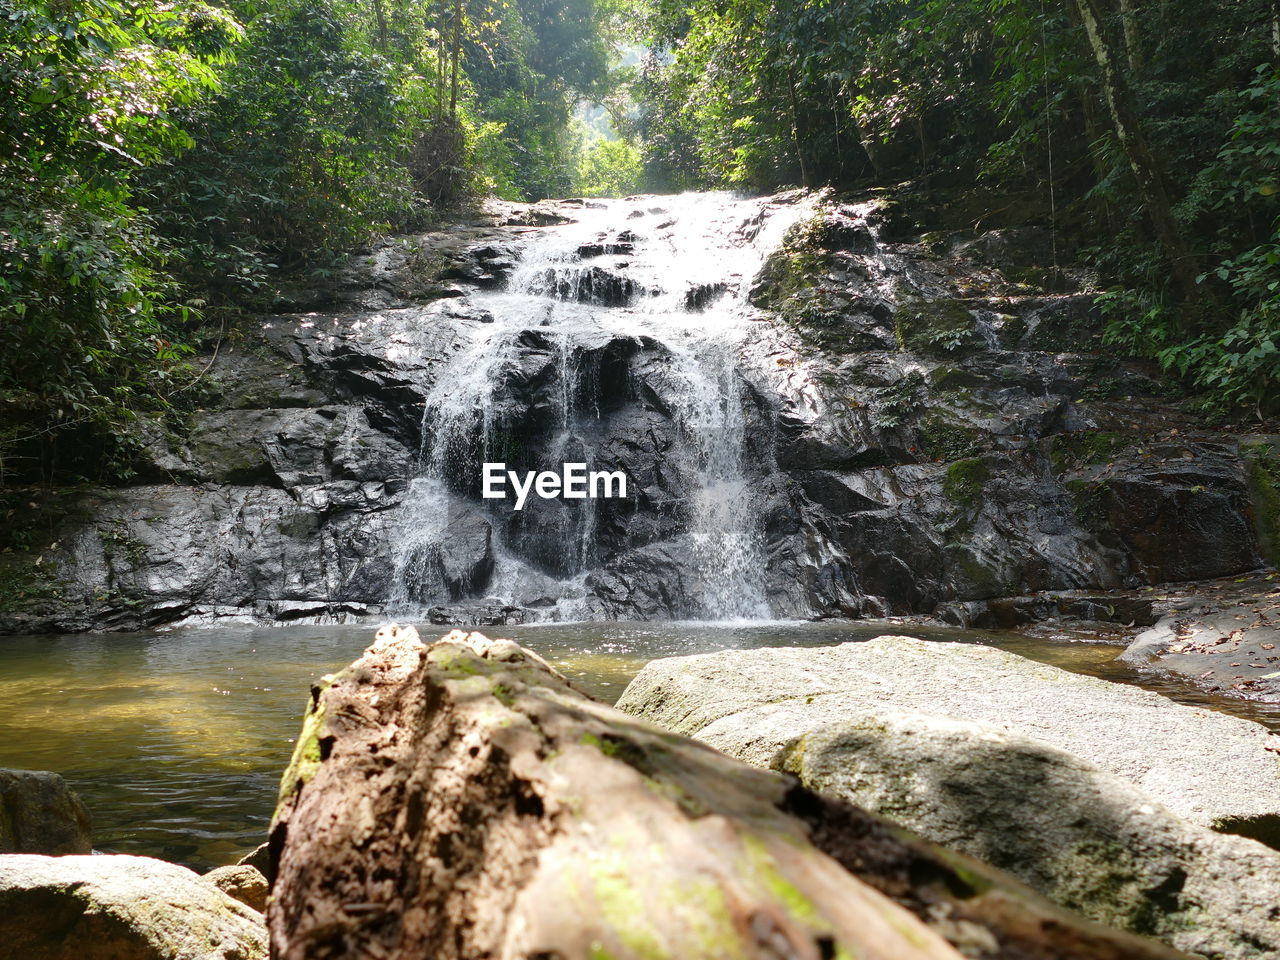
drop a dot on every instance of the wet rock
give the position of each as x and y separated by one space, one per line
603 248
39 813
961 396
1087 839
750 703
1017 247
648 583
1178 510
1118 607
476 615
245 379
69 908
702 295
241 882
590 285
1233 650
158 553
535 216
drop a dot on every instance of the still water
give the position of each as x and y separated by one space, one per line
176 739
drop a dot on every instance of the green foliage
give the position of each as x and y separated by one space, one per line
899 402
89 91
296 157
610 168
160 162
1007 94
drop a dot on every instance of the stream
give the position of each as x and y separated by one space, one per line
176 739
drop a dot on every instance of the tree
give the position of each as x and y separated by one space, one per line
89 90
1128 133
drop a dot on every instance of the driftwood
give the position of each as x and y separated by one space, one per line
462 801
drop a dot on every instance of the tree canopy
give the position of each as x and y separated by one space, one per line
161 163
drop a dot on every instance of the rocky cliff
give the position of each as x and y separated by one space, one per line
924 420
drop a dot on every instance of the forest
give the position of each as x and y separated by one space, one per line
889 395
163 165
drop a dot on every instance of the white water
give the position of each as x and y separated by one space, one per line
679 243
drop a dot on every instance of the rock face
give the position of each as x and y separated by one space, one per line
924 420
40 814
462 800
1085 838
125 908
1209 768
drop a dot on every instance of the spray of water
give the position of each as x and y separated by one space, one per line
686 262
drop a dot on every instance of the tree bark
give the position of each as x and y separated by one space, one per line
805 180
1132 36
455 56
462 801
380 17
1124 122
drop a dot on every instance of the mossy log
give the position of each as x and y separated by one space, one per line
463 801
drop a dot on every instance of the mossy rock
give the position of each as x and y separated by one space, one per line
1262 474
1073 327
984 581
790 270
897 403
820 319
954 380
965 481
1013 329
1072 451
1090 501
943 439
943 327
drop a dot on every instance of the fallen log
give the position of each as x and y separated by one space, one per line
462 801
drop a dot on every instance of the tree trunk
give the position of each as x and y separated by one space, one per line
1124 122
462 801
805 180
1132 36
380 16
455 56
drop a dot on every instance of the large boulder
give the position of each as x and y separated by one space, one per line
461 800
1207 767
40 814
120 908
1085 838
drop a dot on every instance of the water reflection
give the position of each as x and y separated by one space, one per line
176 739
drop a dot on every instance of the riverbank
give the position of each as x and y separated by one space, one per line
176 738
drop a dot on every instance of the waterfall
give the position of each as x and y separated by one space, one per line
653 282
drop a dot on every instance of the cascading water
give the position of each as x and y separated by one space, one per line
640 302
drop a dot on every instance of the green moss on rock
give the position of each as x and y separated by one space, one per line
1262 474
965 481
792 268
1071 451
941 439
942 327
308 753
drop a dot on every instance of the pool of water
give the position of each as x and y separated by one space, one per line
176 739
